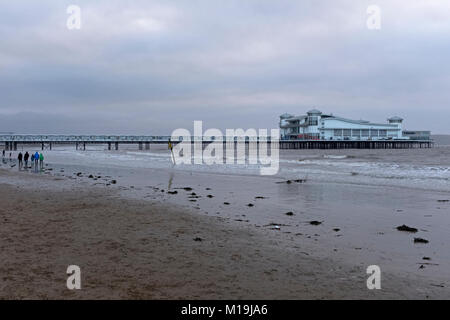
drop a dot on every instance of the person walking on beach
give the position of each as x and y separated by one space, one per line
19 157
36 159
41 160
10 156
25 158
3 153
32 160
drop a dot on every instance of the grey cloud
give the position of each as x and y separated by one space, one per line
153 66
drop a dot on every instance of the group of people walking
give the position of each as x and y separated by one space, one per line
37 159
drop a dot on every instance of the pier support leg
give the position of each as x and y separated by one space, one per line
84 146
140 146
15 146
147 146
109 145
116 146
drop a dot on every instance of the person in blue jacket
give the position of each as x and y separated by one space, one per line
36 160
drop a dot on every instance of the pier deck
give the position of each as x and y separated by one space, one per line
11 142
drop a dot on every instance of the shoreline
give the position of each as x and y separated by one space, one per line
142 249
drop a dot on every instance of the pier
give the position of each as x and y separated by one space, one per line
11 142
356 144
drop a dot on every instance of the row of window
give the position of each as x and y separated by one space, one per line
364 133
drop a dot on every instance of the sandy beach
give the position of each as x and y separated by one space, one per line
147 239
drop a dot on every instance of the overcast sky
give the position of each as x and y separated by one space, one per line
148 67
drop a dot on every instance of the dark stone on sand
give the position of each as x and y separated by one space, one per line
226 203
113 181
188 188
250 205
198 239
336 229
210 196
406 228
193 200
290 213
172 192
426 258
315 223
420 240
290 181
193 194
207 188
259 197
91 176
443 200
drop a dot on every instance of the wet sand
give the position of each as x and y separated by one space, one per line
149 249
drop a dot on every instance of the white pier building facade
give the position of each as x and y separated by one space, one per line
316 125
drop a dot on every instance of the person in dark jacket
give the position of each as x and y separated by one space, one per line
19 157
25 159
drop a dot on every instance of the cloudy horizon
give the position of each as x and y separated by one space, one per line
149 67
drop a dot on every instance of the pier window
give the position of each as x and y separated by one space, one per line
356 133
373 132
313 121
347 132
392 133
365 132
337 132
383 133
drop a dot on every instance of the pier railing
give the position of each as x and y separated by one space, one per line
12 140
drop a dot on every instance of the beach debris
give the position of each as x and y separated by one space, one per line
422 266
260 197
91 176
250 205
426 258
290 213
445 200
79 174
406 228
315 223
172 192
187 188
274 224
210 196
226 203
193 200
336 229
355 173
207 188
113 181
420 240
198 239
290 181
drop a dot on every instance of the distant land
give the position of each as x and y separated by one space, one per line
441 139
